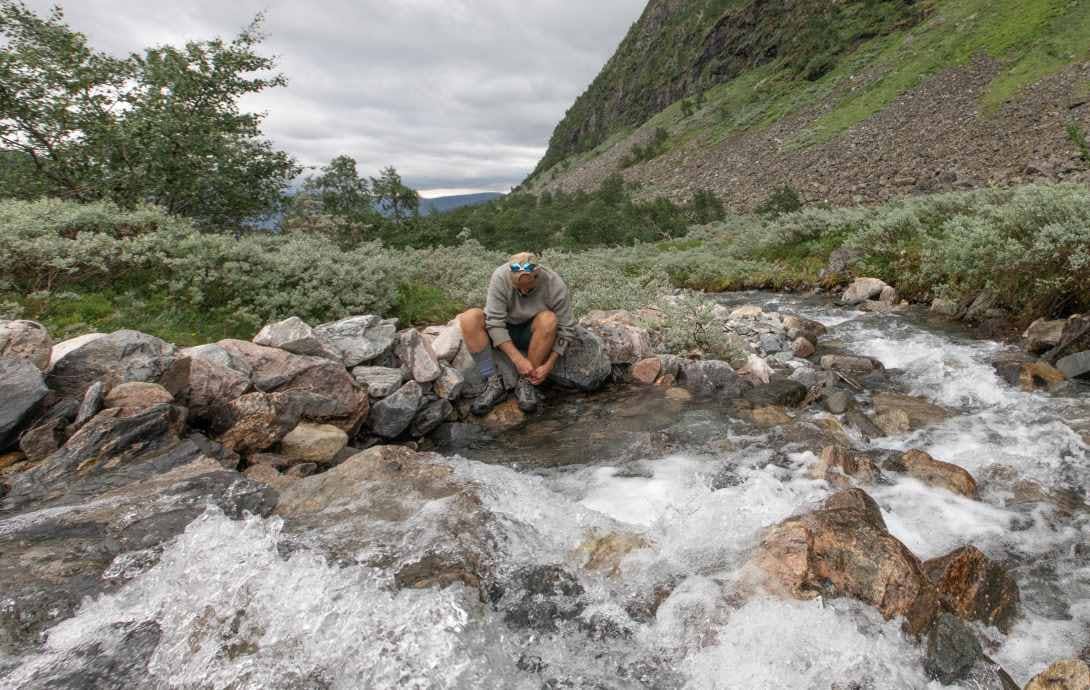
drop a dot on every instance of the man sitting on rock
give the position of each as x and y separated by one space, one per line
527 316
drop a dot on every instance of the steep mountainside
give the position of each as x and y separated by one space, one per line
853 100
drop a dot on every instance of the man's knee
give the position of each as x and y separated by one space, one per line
545 321
471 320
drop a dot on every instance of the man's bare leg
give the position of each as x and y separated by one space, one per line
543 339
474 333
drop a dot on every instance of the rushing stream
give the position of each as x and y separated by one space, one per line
251 604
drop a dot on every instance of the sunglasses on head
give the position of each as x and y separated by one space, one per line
526 266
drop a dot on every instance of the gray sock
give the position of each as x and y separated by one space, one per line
485 365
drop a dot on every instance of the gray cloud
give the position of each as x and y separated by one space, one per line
457 94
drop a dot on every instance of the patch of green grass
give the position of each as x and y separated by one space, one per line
418 303
75 312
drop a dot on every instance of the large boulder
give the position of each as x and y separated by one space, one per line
257 421
391 416
647 371
955 657
445 340
937 473
212 386
27 340
148 485
65 346
329 388
405 511
585 365
317 443
1075 365
416 356
863 289
359 339
294 335
450 384
710 377
21 389
1075 338
118 358
1043 334
843 549
975 587
624 342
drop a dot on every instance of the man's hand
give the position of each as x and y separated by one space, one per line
538 375
523 366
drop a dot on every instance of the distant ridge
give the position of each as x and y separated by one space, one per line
442 204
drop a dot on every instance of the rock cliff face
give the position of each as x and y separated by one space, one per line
847 102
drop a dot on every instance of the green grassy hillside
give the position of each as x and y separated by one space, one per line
711 68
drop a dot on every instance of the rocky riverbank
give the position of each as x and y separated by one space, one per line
118 445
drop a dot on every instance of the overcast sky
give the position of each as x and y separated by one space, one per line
458 95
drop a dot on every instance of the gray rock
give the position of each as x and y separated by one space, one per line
21 389
26 340
360 338
944 307
92 402
1075 338
624 343
380 381
1043 335
215 354
710 377
391 416
431 416
812 377
864 424
585 365
952 650
459 435
778 391
212 386
850 363
863 289
50 432
771 344
64 347
837 401
955 656
117 358
1075 365
985 302
417 358
295 336
445 340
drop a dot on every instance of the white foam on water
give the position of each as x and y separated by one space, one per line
806 645
645 501
221 585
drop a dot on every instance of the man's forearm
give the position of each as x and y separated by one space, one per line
508 348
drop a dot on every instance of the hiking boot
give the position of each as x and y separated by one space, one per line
526 395
493 394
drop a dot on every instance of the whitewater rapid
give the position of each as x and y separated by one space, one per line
236 609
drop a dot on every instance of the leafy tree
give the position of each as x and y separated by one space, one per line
393 196
337 203
161 127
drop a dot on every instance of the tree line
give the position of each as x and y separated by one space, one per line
163 126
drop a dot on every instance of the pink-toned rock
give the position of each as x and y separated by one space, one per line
417 356
212 386
1067 674
646 371
27 340
944 475
258 421
504 416
844 549
802 348
837 463
138 395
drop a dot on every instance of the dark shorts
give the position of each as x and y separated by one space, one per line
520 334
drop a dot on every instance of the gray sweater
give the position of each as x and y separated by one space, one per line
505 305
